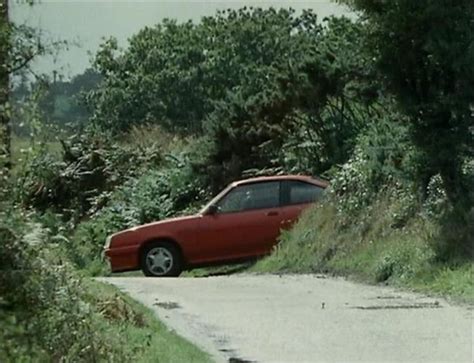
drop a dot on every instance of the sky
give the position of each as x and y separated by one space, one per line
84 24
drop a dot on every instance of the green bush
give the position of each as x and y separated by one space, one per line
384 165
43 311
87 166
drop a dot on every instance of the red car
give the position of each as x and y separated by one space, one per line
242 222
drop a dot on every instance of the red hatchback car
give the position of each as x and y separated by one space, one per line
242 222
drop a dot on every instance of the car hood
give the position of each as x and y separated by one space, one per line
175 222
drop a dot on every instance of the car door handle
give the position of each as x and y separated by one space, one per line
272 214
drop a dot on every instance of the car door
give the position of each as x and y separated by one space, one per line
295 197
246 224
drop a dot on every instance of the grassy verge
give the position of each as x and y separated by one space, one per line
372 250
141 331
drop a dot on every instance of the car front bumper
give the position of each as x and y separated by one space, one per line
122 258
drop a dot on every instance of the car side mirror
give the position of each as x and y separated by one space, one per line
212 209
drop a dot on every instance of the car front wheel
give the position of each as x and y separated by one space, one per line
161 259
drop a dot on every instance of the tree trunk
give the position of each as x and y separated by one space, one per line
5 127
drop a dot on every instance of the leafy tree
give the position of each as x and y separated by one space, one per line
64 102
176 74
424 51
246 79
306 93
257 56
4 82
19 45
158 79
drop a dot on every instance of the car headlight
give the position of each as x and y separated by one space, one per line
107 242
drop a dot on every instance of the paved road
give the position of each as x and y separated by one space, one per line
306 318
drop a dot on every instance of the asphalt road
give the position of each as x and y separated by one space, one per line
307 318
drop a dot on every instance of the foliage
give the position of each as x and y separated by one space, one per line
384 161
19 46
42 308
296 77
88 165
158 79
93 187
60 103
284 103
426 61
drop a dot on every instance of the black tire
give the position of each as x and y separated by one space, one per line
162 251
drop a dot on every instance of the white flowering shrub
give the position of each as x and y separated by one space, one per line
382 166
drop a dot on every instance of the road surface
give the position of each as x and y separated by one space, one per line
306 318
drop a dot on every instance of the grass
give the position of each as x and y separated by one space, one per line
21 147
371 249
145 336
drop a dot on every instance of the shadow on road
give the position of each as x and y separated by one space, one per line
220 270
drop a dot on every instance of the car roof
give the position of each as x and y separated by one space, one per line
303 178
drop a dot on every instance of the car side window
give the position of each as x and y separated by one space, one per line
251 196
298 192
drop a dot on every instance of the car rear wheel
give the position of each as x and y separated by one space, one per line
161 259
